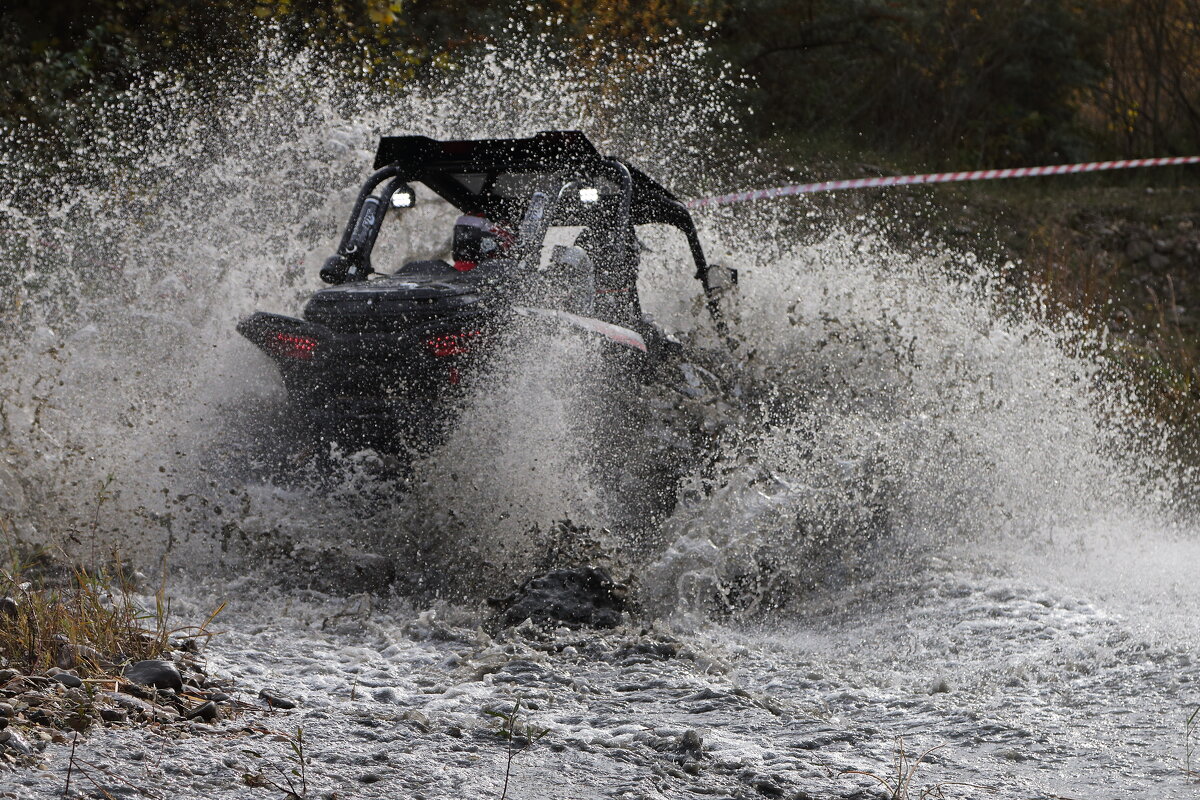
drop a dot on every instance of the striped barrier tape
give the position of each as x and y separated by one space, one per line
937 177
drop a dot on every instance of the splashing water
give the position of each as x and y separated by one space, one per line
880 401
897 459
126 267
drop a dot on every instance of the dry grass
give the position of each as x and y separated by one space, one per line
899 784
89 619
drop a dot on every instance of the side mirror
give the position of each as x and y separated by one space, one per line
345 267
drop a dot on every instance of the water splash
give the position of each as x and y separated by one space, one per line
881 399
126 266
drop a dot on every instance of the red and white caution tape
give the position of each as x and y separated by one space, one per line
937 177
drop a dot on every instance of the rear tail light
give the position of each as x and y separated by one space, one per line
290 345
451 344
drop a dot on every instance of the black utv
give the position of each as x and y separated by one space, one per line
384 349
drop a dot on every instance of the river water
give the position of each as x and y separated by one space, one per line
913 509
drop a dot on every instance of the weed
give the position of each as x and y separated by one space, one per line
295 778
899 784
1190 729
89 619
518 736
78 617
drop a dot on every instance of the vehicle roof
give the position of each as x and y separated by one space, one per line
440 165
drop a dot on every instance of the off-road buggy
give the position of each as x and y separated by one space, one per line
379 355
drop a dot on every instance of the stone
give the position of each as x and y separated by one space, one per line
1158 261
579 597
113 715
691 742
206 711
154 672
275 701
72 656
9 607
15 741
1138 249
68 680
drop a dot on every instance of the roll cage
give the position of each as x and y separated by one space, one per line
551 178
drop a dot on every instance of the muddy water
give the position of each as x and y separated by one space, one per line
920 512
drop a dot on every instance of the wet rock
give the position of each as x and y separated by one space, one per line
12 740
940 686
416 718
275 701
155 672
572 597
691 742
205 711
113 715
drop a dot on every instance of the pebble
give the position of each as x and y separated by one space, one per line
112 715
155 672
275 701
206 711
1138 249
14 741
691 742
68 680
70 655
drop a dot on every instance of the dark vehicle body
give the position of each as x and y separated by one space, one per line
375 358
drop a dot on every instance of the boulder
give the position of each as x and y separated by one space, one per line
156 673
